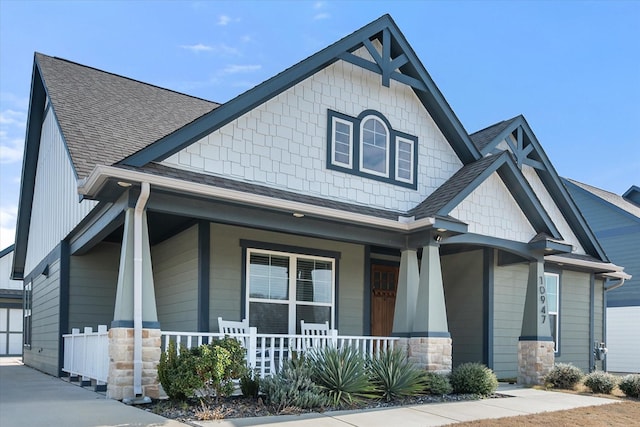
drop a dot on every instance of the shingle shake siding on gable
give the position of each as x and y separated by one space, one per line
224 192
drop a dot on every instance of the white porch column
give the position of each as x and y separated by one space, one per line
132 369
535 345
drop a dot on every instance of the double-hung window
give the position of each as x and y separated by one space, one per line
284 288
552 284
368 146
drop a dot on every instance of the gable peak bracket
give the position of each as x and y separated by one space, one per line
383 63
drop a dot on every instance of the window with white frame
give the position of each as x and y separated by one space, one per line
342 153
374 147
27 304
404 159
552 284
368 146
284 288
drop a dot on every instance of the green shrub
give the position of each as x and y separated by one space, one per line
293 387
342 374
250 384
207 370
564 376
474 378
600 382
437 384
394 376
630 385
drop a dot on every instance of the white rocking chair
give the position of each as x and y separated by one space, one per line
240 331
316 335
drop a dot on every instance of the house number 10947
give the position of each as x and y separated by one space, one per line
542 290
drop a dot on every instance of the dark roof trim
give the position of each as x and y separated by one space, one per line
549 177
431 97
7 250
35 118
632 195
514 181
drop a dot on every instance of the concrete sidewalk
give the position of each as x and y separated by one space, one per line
30 398
524 401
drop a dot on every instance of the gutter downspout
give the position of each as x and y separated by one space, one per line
615 286
137 287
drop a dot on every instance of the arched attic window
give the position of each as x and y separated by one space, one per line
374 146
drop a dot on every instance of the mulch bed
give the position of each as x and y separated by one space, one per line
242 407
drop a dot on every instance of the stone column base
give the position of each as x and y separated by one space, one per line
120 380
430 353
535 360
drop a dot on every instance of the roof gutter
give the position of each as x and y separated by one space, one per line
604 267
91 185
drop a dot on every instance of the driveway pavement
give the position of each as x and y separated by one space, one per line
30 398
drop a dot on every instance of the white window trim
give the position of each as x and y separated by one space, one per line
292 302
411 142
557 312
361 144
335 120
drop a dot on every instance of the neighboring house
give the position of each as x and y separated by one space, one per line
344 189
10 307
615 220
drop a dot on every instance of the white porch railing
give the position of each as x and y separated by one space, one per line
86 354
268 352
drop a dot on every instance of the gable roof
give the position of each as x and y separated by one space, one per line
527 150
611 198
105 118
398 62
468 178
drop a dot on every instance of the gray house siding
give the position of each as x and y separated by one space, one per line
463 290
575 344
510 284
92 286
175 273
43 352
226 273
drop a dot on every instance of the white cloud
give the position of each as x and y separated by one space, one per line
10 148
8 216
197 48
319 5
223 20
12 117
235 69
320 16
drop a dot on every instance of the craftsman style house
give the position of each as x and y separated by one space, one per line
343 189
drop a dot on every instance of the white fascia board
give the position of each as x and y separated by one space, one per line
600 266
617 275
100 174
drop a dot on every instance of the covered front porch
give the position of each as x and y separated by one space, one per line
156 267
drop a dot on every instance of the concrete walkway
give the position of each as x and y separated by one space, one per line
525 401
30 398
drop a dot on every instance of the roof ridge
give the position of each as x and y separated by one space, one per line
68 61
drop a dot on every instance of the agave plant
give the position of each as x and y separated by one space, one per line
394 376
342 375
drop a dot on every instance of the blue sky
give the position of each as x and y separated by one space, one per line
571 68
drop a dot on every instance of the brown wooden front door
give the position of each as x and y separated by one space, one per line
384 283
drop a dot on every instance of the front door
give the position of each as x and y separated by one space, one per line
384 282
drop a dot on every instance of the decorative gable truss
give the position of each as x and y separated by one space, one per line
516 137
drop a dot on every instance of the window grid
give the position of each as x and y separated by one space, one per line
374 147
342 153
295 300
404 160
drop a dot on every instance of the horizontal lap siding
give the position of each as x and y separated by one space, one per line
43 354
175 274
463 289
92 286
575 344
510 284
226 273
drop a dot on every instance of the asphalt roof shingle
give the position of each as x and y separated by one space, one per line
105 118
452 187
485 136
